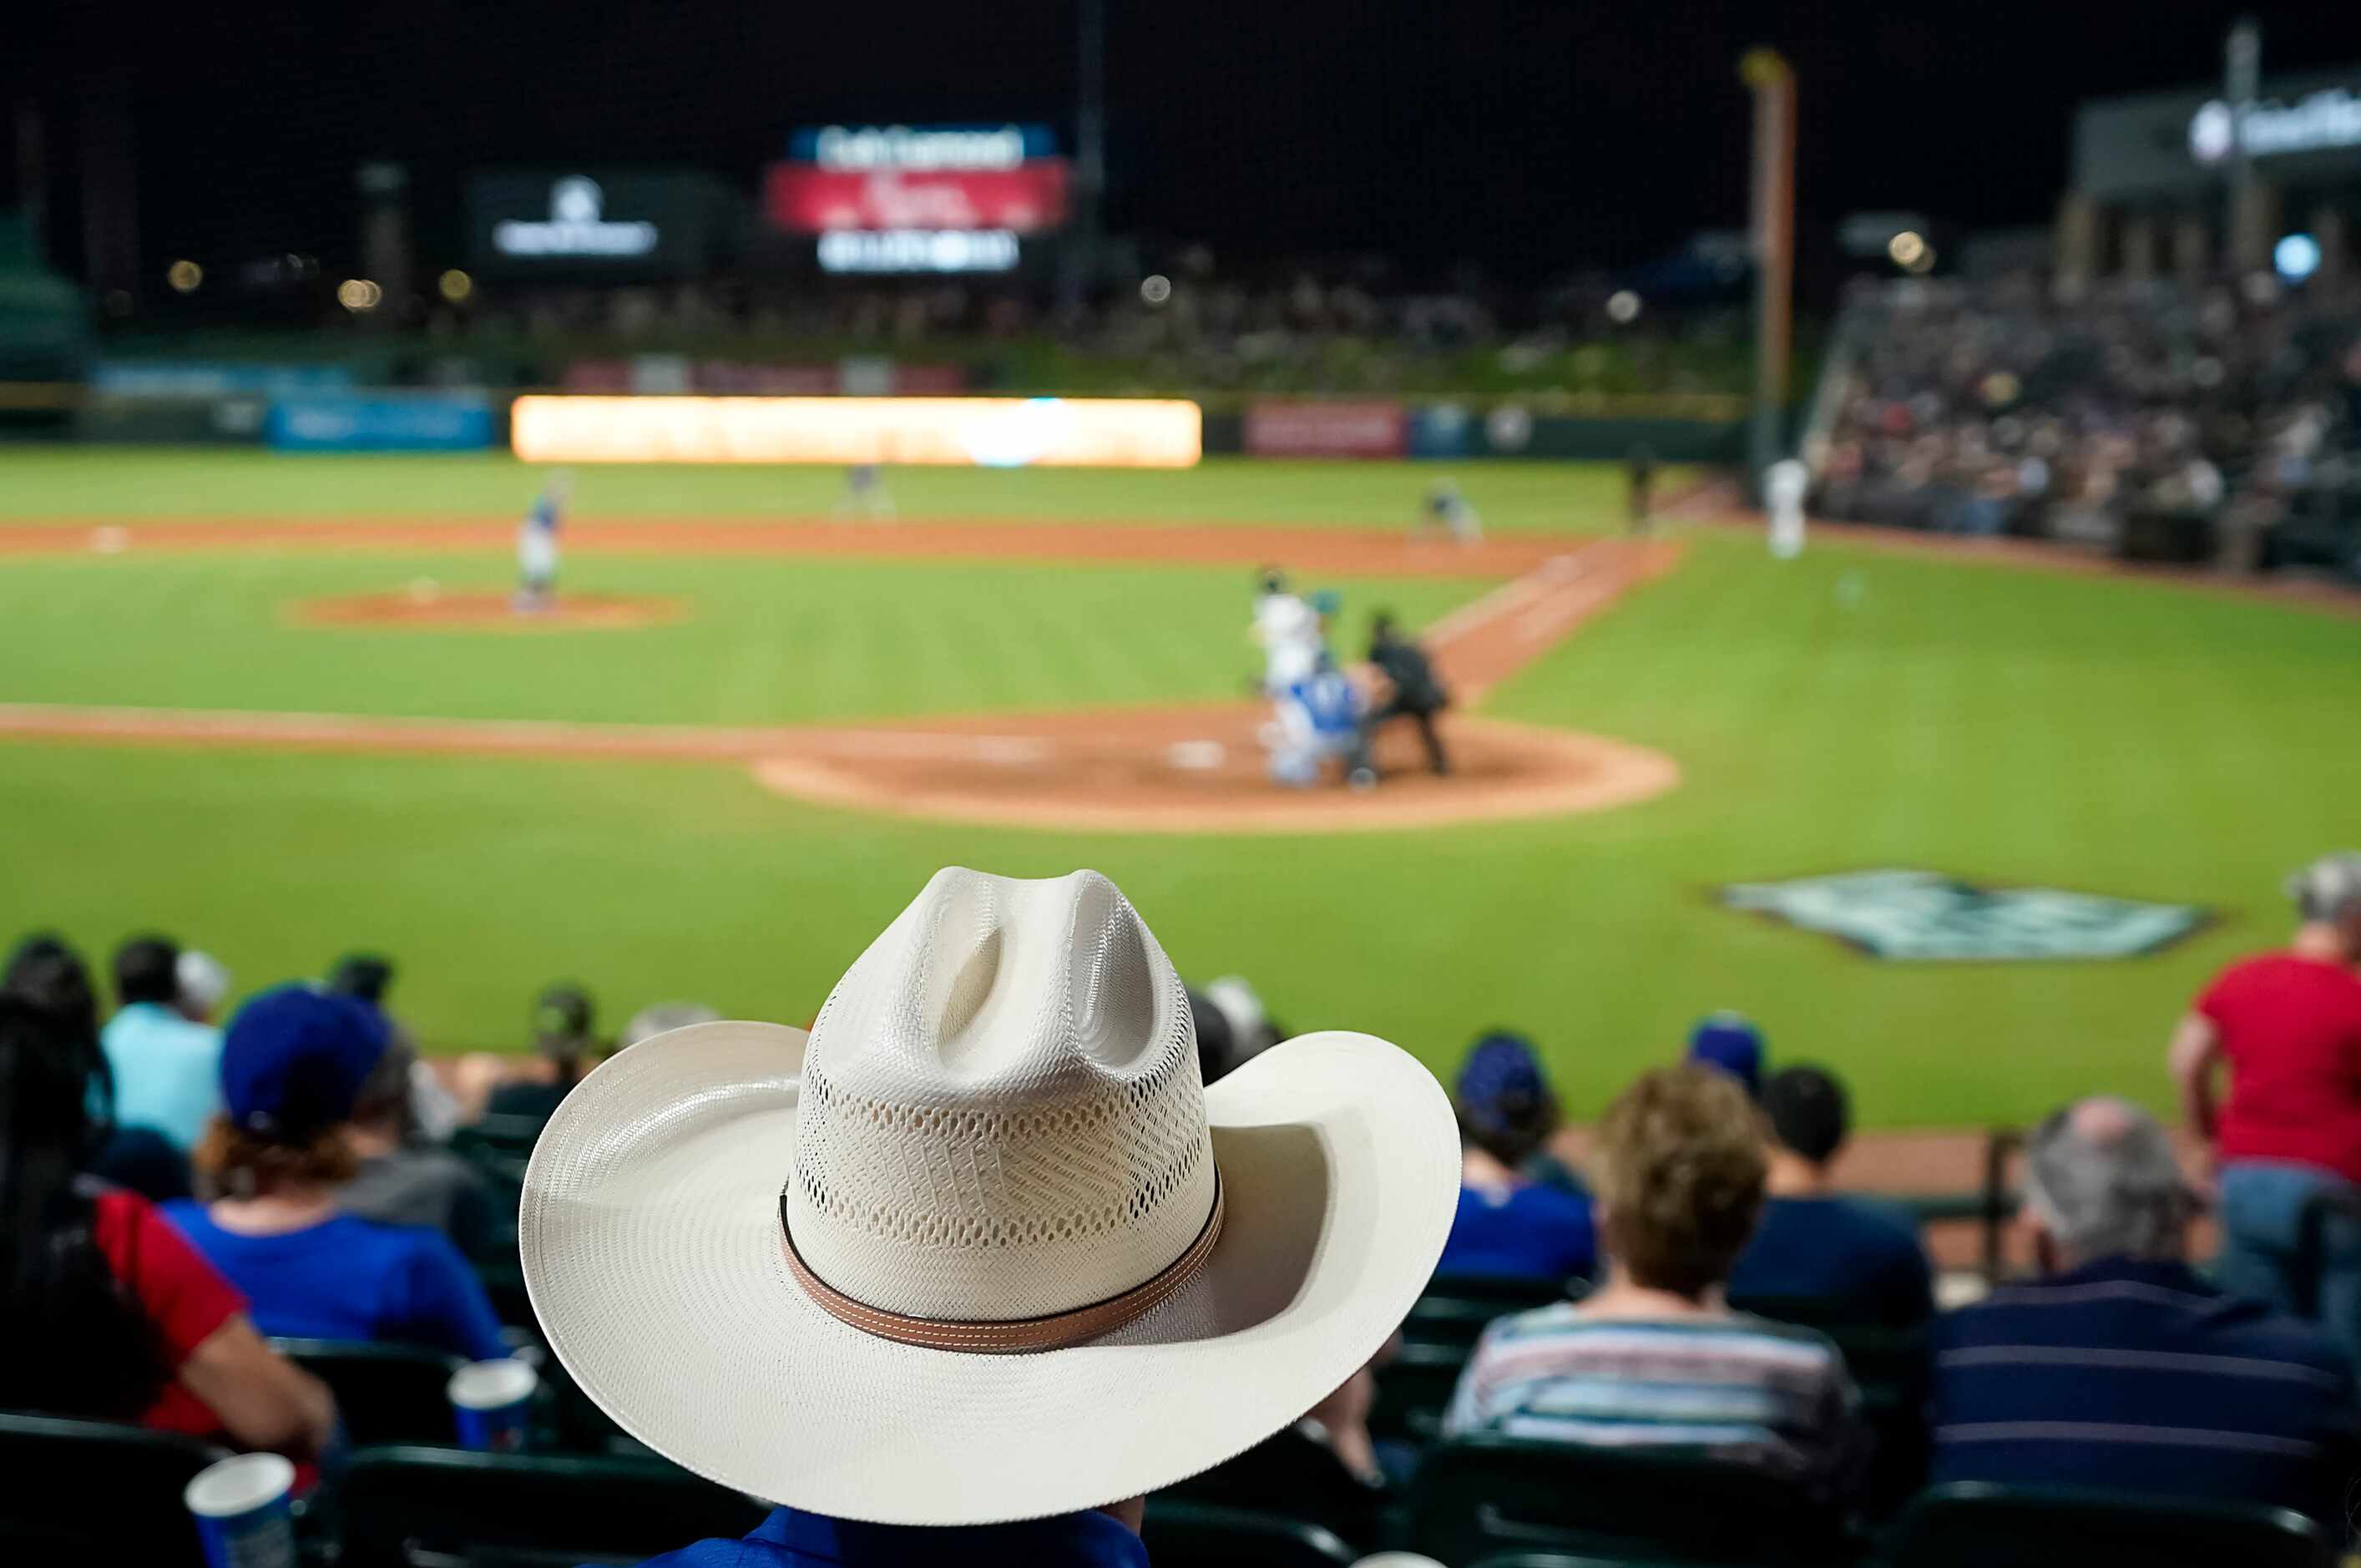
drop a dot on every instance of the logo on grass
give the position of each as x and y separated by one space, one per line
1926 915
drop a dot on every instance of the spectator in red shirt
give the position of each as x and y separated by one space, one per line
2289 1026
106 1313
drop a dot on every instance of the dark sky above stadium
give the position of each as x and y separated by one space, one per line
1529 136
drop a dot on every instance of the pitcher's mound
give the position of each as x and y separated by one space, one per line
426 606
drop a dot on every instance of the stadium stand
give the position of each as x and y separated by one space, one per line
408 1495
2160 419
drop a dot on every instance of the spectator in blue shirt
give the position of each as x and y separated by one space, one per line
166 1065
2122 1369
293 1064
1852 1260
1101 1538
1509 1225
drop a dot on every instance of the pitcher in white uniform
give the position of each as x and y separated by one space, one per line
536 545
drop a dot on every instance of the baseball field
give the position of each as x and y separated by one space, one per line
275 706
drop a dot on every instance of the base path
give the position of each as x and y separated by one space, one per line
426 606
1191 769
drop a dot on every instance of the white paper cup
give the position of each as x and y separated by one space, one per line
493 1402
241 1509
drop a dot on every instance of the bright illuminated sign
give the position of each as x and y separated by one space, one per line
923 147
917 250
804 198
997 432
576 226
2318 122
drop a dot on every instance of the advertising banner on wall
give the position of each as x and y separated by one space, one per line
420 422
993 432
1290 428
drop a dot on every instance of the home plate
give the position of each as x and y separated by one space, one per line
1197 756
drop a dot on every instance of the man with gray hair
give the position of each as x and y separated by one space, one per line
2121 1368
2287 1026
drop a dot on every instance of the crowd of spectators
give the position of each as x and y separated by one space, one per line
1317 328
2214 413
178 1194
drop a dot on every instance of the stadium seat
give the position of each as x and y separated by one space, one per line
408 1507
1483 1497
385 1393
1889 1367
1975 1525
94 1492
1290 1474
504 1284
1414 1390
1201 1535
514 1136
1454 1310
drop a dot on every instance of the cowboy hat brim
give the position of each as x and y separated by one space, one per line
652 1249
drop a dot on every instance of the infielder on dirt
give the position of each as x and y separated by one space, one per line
1449 511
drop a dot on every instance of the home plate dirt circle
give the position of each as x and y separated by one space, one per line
424 605
1200 769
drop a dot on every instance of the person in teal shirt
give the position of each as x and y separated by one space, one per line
166 1066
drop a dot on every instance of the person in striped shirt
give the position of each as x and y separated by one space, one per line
1652 1358
2122 1368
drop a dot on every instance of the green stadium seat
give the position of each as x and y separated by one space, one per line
1454 1310
91 1492
416 1508
1975 1525
1182 1534
1890 1367
1414 1390
385 1393
1483 1497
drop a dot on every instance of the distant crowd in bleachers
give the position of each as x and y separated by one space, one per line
208 1227
2169 417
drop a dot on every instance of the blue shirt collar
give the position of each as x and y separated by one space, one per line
1090 1539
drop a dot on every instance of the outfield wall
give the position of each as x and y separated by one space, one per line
244 406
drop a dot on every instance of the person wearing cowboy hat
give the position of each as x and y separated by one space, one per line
971 1267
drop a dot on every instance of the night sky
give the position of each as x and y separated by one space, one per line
1531 139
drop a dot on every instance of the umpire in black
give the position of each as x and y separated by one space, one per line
1416 693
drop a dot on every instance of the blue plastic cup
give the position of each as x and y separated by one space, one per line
493 1402
242 1509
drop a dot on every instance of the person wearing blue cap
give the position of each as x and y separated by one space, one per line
1730 1042
1510 1226
294 1063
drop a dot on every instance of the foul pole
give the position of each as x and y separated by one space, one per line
1773 235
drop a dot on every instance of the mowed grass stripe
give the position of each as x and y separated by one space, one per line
766 641
70 485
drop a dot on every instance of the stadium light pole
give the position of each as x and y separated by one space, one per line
1767 73
1090 148
2242 67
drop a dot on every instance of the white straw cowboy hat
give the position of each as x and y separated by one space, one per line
981 1248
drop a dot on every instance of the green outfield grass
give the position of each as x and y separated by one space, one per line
1853 709
77 484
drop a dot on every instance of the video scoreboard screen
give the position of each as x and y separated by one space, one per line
944 199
